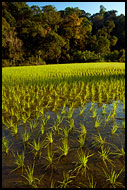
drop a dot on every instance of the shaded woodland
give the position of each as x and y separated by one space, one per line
42 35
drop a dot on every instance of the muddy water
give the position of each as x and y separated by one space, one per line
66 163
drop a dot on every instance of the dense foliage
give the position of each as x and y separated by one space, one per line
42 35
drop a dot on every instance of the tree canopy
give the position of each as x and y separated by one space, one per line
42 35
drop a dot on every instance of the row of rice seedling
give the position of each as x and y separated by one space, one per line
39 74
98 142
64 127
25 105
37 150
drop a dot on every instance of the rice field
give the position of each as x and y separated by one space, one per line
63 126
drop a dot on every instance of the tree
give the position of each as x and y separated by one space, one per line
38 34
71 11
102 10
52 46
102 45
51 17
11 45
122 55
113 40
36 10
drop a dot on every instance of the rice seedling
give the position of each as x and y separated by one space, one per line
19 160
114 128
104 109
45 120
10 123
52 184
5 144
82 109
25 136
81 140
83 130
91 183
50 160
94 113
42 128
37 146
97 122
82 162
63 112
66 132
98 141
64 148
71 124
82 136
70 113
100 98
114 110
50 157
112 178
37 116
113 115
49 138
33 125
104 155
120 152
31 180
41 110
67 179
92 107
108 118
24 119
14 130
114 106
56 126
17 116
12 112
38 109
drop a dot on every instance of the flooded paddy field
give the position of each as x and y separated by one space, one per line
67 133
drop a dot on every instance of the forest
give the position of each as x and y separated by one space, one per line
42 35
